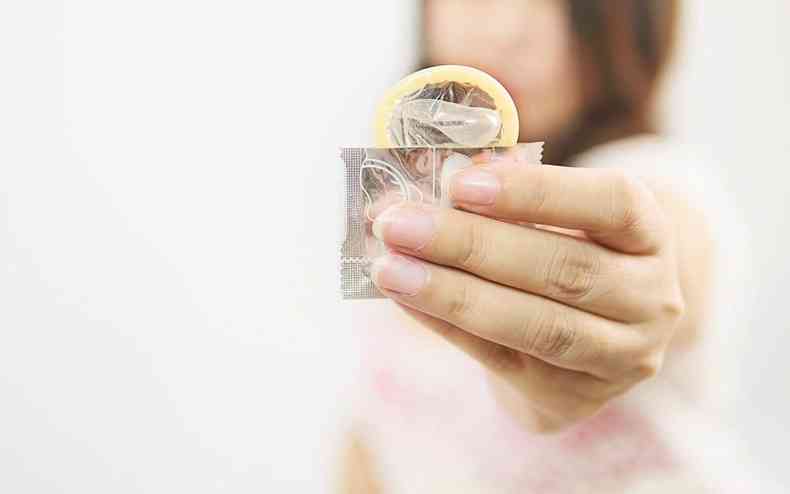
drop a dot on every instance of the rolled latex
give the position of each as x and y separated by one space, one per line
447 106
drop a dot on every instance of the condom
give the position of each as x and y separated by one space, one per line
447 106
428 127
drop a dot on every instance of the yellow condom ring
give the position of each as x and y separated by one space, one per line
415 82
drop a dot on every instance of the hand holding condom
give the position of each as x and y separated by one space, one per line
567 315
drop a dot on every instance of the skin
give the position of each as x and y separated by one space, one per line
566 319
534 58
569 315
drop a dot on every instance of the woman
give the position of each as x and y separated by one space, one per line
558 327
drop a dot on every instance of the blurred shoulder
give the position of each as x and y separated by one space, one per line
650 155
647 146
669 164
703 184
697 190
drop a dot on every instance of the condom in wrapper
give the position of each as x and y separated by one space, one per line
432 124
376 178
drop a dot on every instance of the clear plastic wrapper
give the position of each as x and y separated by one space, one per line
376 178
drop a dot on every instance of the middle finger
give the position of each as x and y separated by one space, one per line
555 333
569 270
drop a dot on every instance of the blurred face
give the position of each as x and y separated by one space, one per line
526 44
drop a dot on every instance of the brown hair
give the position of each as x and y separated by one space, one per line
623 49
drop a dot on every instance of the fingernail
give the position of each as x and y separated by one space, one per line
399 274
475 186
408 227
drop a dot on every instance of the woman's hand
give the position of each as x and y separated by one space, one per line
569 316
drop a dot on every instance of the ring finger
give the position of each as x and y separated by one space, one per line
569 270
561 335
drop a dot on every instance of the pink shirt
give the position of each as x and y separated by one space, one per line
433 426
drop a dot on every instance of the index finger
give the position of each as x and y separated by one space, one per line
614 208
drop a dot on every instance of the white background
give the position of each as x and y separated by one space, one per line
730 96
169 317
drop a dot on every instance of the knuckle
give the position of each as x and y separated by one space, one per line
649 367
665 301
640 359
627 201
460 303
550 336
503 359
538 193
572 272
632 360
646 366
668 307
473 248
674 307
